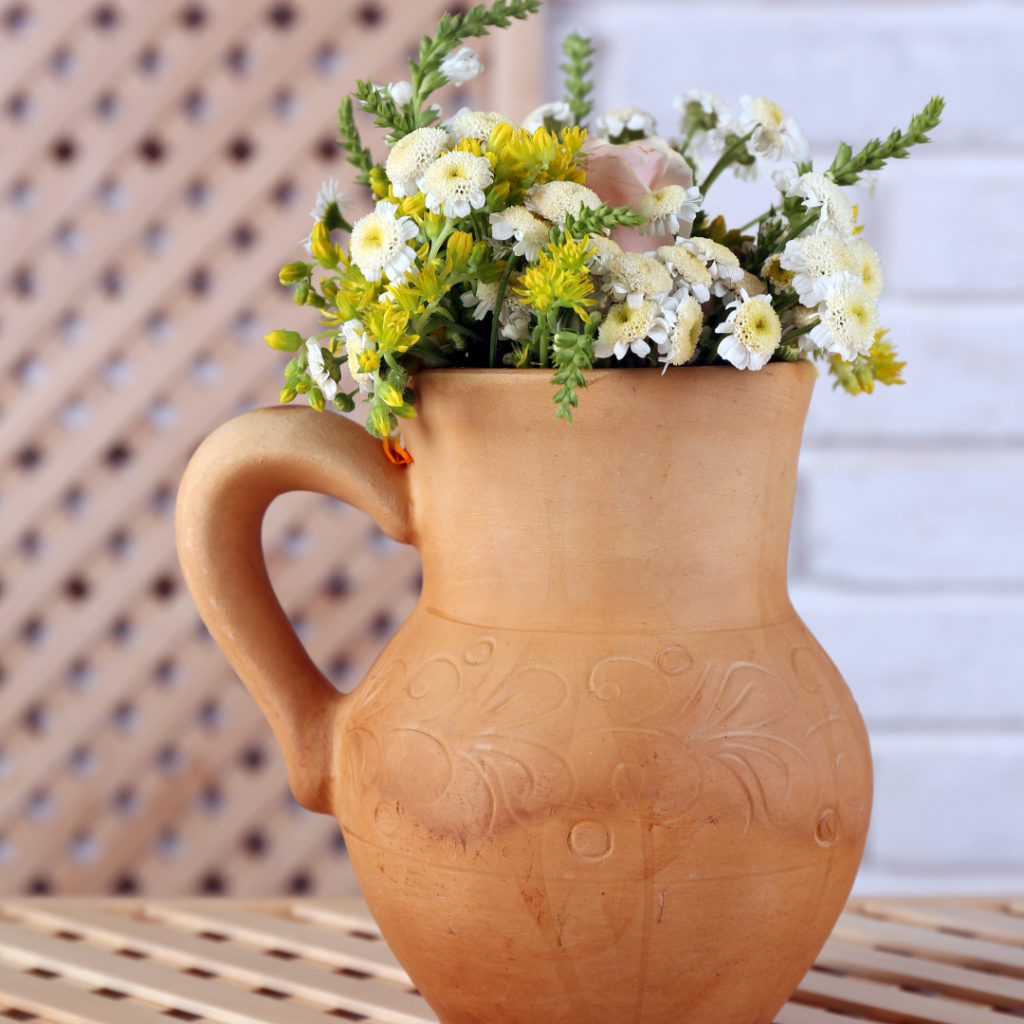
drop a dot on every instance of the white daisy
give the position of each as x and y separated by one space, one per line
461 65
668 206
678 348
634 276
774 132
378 243
455 183
625 329
318 371
604 250
691 275
625 119
482 301
868 265
819 191
411 156
327 197
752 332
357 341
529 231
814 259
721 262
699 106
554 199
473 124
555 116
849 319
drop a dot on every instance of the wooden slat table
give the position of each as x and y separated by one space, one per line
95 961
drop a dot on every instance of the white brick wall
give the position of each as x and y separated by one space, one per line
908 547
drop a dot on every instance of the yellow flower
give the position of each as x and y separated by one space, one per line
368 361
388 325
389 394
559 277
460 250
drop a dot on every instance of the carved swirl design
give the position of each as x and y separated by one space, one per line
465 744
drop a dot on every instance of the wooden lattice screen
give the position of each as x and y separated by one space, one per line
157 162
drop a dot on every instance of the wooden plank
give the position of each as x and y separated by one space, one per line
343 915
926 942
61 1003
983 923
245 966
958 982
272 931
799 1013
863 996
147 979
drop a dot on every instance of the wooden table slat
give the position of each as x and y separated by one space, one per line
984 923
338 948
237 963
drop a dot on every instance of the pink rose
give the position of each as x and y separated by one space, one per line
622 175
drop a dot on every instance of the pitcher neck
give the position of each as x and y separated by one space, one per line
665 506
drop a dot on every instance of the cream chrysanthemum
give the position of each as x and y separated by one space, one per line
554 116
668 206
868 265
378 243
554 199
771 271
625 329
815 258
358 341
634 276
752 332
454 183
818 191
688 271
483 300
529 231
774 132
411 156
721 262
474 124
750 284
604 251
680 345
849 319
625 119
318 371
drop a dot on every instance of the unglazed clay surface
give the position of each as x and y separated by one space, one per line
604 772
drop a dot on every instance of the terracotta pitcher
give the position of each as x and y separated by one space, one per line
604 774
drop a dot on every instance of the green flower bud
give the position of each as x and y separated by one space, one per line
300 294
387 392
284 341
293 272
316 399
343 402
287 395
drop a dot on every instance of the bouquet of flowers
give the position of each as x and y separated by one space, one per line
542 245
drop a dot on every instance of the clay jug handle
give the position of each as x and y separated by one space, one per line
232 478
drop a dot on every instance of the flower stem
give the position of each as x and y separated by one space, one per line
794 231
792 335
723 162
499 303
757 220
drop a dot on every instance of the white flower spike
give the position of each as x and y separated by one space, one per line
461 65
318 371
